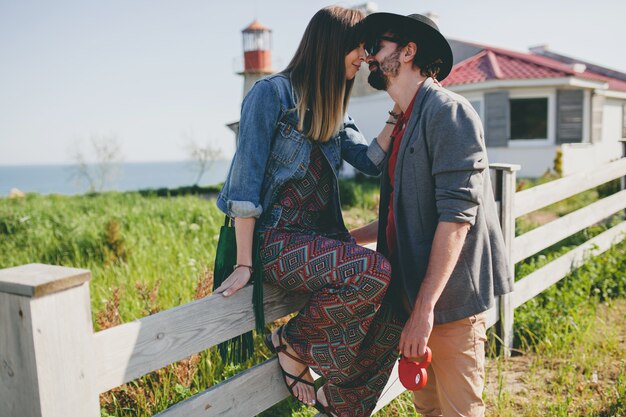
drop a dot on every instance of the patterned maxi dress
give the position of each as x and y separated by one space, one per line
345 332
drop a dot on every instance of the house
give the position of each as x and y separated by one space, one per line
533 105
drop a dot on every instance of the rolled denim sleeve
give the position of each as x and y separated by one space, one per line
260 110
355 151
456 144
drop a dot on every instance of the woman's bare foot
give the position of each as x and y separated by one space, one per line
292 364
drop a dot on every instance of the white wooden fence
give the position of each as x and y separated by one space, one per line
52 364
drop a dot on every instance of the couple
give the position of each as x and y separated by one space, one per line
441 256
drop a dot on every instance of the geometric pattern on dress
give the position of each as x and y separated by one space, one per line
304 201
329 331
372 369
333 331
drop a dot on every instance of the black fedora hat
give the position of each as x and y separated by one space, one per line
414 27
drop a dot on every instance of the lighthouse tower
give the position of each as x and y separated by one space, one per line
257 54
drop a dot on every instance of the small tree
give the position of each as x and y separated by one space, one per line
106 154
201 157
558 163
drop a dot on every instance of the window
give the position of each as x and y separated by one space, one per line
529 118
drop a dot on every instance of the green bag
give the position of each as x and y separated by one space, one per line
240 348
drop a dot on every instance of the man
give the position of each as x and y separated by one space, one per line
437 220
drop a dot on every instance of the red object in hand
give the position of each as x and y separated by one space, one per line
413 374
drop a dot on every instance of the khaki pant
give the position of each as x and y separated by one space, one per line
456 376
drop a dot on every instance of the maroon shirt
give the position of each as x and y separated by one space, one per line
396 137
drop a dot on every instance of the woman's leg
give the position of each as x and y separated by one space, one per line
347 283
370 371
296 374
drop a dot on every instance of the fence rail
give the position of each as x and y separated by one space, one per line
52 364
131 350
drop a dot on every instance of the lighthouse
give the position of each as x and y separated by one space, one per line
257 59
257 54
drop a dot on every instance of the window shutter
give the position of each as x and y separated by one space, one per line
569 128
497 118
623 120
597 110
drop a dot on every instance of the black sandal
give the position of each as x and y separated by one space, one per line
326 410
282 348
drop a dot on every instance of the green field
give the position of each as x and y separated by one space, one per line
149 253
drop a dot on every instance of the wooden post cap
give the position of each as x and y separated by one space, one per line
505 167
37 280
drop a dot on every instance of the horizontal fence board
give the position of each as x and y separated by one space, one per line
253 391
261 386
391 391
246 394
133 349
543 195
542 237
543 278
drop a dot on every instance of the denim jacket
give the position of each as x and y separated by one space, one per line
272 151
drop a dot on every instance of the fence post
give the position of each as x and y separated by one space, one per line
505 183
46 343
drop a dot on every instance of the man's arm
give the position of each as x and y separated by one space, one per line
366 234
447 244
458 161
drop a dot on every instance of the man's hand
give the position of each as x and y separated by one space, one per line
365 234
235 281
415 334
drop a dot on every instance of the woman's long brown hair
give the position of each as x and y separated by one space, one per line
318 71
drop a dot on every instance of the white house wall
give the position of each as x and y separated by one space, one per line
577 156
612 121
370 113
534 160
581 156
535 157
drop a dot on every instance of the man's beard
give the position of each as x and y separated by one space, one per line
390 65
377 79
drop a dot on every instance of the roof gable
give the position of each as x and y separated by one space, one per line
501 64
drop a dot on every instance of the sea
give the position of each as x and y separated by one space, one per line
130 176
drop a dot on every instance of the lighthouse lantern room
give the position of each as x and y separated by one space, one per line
257 53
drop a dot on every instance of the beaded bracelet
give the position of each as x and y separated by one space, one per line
244 266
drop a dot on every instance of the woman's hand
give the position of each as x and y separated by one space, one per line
244 231
235 281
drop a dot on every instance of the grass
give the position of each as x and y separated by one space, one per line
580 373
148 252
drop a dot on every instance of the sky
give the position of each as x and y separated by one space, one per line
153 74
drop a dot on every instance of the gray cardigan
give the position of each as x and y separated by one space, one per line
442 174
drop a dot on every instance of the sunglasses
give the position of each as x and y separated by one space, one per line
375 46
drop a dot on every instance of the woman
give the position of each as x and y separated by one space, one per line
282 186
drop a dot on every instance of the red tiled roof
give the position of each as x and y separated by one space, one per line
501 64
